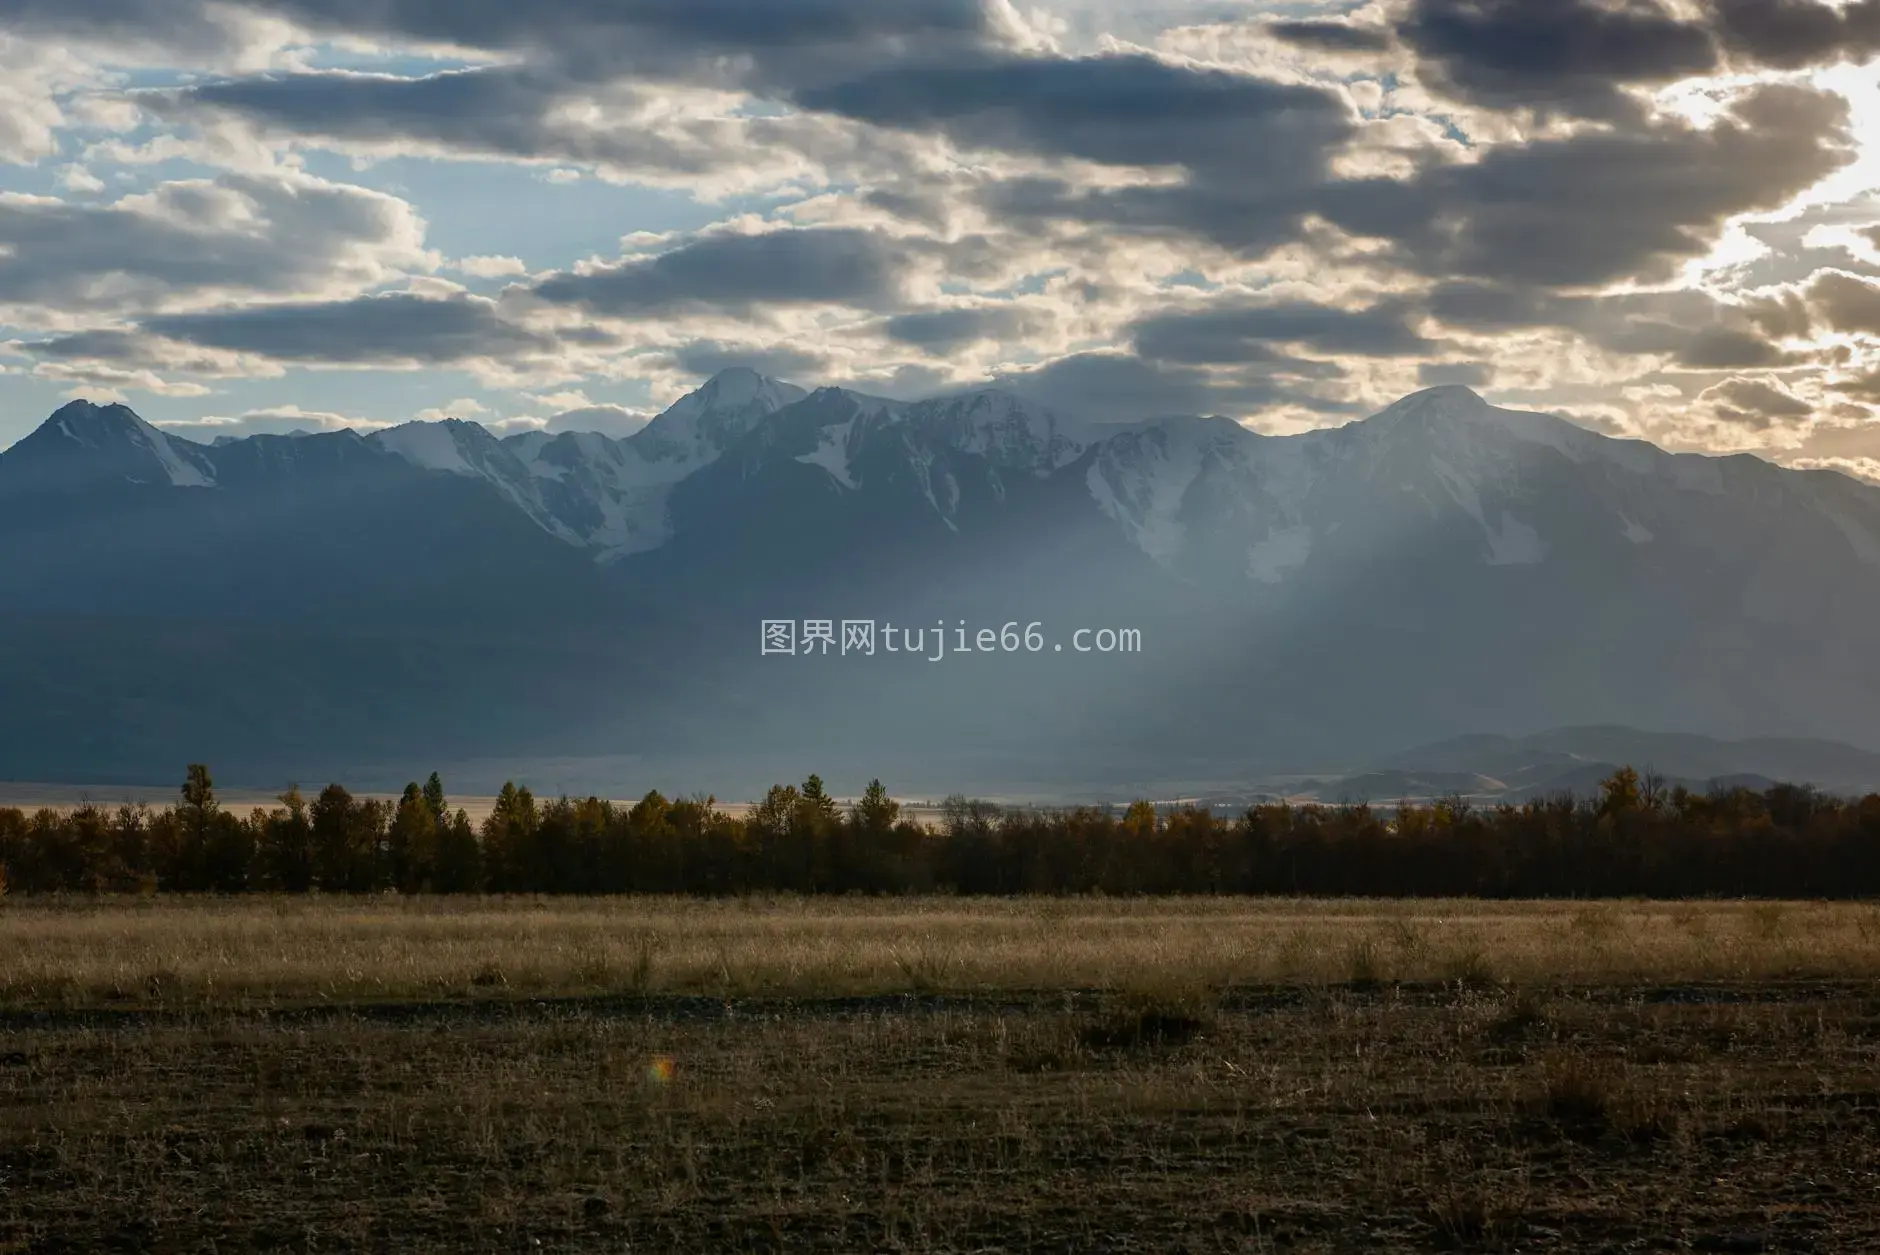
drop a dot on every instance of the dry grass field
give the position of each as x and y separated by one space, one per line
938 1075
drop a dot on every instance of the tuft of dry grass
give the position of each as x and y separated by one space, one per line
936 1075
236 951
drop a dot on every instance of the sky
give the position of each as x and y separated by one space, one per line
1660 218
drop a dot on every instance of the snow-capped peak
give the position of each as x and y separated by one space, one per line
104 428
1004 428
740 385
702 424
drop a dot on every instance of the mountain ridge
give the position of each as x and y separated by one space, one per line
1438 568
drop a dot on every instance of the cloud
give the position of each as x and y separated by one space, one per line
1566 56
1119 109
100 379
944 330
398 328
688 40
1328 36
1468 374
733 39
1599 206
527 112
1792 34
734 272
1863 387
1754 402
1867 468
279 420
1845 302
1689 329
1236 333
610 420
462 407
201 241
1122 387
134 349
707 357
489 267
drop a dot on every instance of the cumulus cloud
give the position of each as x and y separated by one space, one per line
1123 387
1468 374
197 242
462 407
1756 403
397 329
737 272
533 113
279 420
1239 332
1845 302
1598 206
610 420
1323 35
1688 329
706 358
1570 56
946 330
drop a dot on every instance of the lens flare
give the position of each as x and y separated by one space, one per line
660 1070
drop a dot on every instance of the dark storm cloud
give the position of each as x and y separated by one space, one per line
1468 374
717 40
1578 56
182 25
1725 348
127 350
1231 334
1122 387
1844 302
1570 56
729 272
1792 34
1599 206
942 329
1693 329
1758 396
398 327
1125 110
708 357
1325 36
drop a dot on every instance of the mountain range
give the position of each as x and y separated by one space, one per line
297 606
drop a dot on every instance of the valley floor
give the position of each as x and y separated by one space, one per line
1383 1076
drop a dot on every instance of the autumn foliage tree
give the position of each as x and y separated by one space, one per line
1632 837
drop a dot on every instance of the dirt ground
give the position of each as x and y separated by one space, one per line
1330 1117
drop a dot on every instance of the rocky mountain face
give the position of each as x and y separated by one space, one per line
1443 567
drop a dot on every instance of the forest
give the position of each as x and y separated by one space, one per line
1634 838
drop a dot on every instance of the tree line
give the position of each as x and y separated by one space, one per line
1634 838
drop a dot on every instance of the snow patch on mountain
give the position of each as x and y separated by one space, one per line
832 452
1006 430
182 472
1637 533
432 446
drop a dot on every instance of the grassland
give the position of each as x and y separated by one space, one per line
1205 1075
